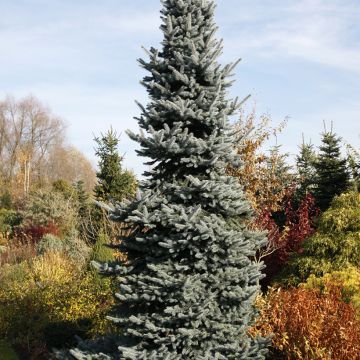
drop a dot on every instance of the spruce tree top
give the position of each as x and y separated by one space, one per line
188 289
332 174
188 112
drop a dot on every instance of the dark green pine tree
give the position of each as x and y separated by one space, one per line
332 174
114 183
305 166
188 289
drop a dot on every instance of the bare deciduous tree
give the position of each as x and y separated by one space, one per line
68 163
28 131
32 149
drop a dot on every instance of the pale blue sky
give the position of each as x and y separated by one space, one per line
301 58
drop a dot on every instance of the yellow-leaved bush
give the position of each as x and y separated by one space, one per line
348 280
46 301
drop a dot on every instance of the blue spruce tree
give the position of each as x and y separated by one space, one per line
188 289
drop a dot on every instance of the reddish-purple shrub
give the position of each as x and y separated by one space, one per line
299 225
33 233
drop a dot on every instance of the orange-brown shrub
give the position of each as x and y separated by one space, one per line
309 325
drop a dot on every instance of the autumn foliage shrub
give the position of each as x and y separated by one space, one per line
286 240
33 233
16 252
45 302
264 185
308 324
348 280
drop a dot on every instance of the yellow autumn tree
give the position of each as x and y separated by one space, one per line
265 176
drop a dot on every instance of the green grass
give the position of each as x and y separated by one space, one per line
6 352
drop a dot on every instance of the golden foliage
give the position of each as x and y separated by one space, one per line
259 171
348 280
50 290
307 324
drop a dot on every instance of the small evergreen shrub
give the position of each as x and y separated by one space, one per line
72 246
101 252
9 219
6 200
50 242
76 249
331 171
113 182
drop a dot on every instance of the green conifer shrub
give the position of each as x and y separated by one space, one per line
64 187
49 242
6 199
101 252
113 185
71 246
9 219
